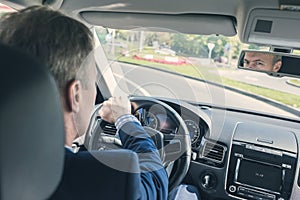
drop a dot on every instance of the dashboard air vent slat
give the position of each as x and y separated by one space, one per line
212 151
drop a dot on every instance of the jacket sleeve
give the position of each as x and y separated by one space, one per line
153 174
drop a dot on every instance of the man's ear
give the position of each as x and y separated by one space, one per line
74 95
277 66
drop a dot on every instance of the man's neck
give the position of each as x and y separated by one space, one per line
70 130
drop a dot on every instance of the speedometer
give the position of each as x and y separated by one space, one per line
193 129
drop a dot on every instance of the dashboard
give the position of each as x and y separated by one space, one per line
235 154
240 155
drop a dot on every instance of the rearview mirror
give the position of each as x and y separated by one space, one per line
272 63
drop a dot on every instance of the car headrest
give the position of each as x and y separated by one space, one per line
31 128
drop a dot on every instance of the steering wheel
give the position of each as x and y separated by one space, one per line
174 147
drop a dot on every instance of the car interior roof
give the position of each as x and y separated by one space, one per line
236 10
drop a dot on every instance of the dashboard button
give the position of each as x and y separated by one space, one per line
232 188
208 181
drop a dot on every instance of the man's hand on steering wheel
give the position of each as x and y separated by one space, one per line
114 108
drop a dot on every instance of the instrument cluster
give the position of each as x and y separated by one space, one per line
164 124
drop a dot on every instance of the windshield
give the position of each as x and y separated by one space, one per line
196 68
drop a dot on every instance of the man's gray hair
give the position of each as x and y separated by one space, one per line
276 58
57 40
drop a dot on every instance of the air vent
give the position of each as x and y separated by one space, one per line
109 129
212 151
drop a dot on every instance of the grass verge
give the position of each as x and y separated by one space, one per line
295 81
283 97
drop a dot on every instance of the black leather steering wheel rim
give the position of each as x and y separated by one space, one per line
181 140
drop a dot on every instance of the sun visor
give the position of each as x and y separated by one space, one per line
273 27
184 23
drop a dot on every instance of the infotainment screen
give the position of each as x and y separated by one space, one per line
260 175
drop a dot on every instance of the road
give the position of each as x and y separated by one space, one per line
261 79
144 81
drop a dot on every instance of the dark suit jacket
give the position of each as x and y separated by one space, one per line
99 175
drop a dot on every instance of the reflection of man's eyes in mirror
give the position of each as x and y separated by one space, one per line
259 62
255 62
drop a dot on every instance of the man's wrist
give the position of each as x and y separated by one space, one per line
124 119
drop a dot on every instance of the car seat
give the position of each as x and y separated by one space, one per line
31 128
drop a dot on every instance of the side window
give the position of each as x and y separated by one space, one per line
5 9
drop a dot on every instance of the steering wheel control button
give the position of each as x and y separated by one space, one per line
232 189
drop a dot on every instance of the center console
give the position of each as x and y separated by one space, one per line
258 170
